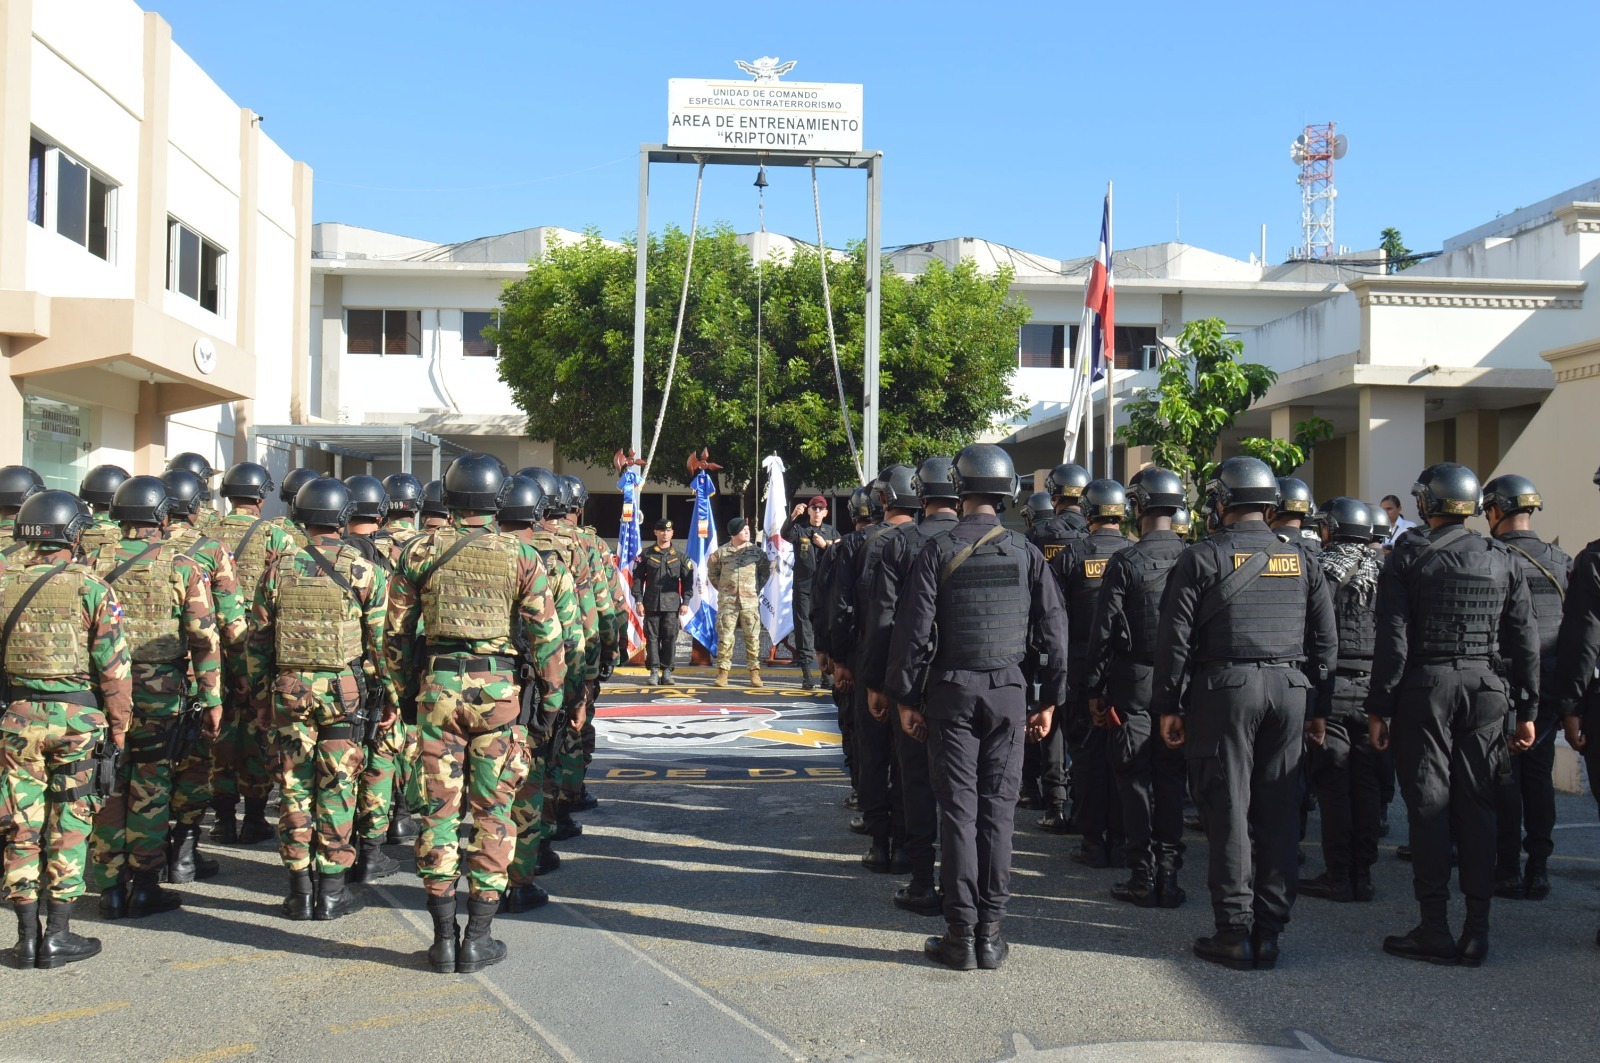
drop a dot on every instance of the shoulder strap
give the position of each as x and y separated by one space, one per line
328 570
12 548
122 569
194 547
22 603
1560 590
1232 585
1453 535
455 548
249 533
967 551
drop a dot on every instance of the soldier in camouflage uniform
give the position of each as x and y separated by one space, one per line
293 480
433 513
18 483
69 695
205 515
240 754
316 647
480 593
169 621
191 777
399 528
738 570
612 604
99 484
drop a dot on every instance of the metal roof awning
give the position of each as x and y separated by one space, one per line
367 443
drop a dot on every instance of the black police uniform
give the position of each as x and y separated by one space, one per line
1526 800
1096 814
1119 666
833 561
1250 653
1052 533
919 805
1575 691
663 579
807 556
957 653
1453 614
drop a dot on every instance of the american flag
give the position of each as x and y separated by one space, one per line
628 553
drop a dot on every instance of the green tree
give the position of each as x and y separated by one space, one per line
948 351
1395 250
1202 391
1287 455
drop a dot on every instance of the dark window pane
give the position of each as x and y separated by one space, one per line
473 345
72 201
36 150
1041 347
211 277
394 332
189 262
1131 343
99 217
364 331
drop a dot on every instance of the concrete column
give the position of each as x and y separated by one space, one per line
1389 443
1478 441
150 244
149 433
300 386
1284 418
249 251
332 325
1171 318
16 79
10 409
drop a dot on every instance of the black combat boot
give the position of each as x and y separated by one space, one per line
655 677
957 949
25 954
1332 885
478 949
566 826
1055 821
854 800
919 898
877 858
226 830
446 936
858 824
1172 894
1473 946
1138 890
807 680
990 948
1092 853
1265 946
148 898
372 863
547 859
297 905
1430 940
523 897
584 802
255 828
1228 948
333 899
184 862
899 859
58 945
402 828
1536 881
1361 884
114 898
1508 884
666 678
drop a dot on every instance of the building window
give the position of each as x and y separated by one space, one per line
67 195
383 331
1042 346
196 267
55 440
1136 347
473 344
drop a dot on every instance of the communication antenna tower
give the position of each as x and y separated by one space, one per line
1314 151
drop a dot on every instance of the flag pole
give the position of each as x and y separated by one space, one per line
1111 339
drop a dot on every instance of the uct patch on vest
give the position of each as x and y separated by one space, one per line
1095 567
1277 564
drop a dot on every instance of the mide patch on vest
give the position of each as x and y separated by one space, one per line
1277 564
1095 567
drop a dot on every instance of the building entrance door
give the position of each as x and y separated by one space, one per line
55 440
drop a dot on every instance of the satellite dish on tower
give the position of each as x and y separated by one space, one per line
1341 144
1297 150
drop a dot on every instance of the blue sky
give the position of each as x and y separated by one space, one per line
452 120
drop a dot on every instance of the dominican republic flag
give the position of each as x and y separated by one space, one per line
1100 302
700 545
628 554
777 606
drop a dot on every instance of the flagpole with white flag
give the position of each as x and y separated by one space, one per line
1108 324
777 604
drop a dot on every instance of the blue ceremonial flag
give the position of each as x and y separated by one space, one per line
628 553
702 543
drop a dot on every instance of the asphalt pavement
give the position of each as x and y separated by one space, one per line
715 909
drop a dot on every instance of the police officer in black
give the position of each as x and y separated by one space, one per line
1080 565
663 579
1344 768
1246 624
1294 516
936 489
1118 669
863 515
810 537
877 774
1525 801
1575 693
1065 485
1037 509
971 604
1456 650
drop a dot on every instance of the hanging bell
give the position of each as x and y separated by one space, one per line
761 176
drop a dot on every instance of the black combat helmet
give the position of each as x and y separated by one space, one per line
1037 507
1182 521
474 483
933 479
1512 494
985 469
1067 481
574 493
1155 490
198 465
1242 481
322 502
367 496
184 489
433 499
1381 528
1448 490
1104 500
248 481
100 483
51 518
293 481
864 506
524 500
18 483
895 489
1295 497
1347 519
140 500
550 484
404 491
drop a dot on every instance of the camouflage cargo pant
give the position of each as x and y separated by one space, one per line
239 767
45 758
319 765
390 773
130 830
191 783
747 616
526 768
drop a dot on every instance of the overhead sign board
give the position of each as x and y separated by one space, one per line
780 115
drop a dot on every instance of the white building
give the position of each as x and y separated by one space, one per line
154 248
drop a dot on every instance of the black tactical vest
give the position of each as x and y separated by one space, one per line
1459 592
983 606
1085 570
1053 534
1142 603
1267 619
1358 625
1546 568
